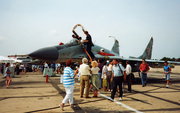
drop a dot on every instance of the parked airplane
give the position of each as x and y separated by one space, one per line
74 50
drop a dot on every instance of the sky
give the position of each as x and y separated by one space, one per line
28 25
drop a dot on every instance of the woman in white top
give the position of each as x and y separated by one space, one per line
109 74
95 78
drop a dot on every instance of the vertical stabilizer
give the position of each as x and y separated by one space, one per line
115 47
148 51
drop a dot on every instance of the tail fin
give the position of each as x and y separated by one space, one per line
148 51
115 47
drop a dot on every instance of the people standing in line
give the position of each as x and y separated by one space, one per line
95 78
166 72
84 70
104 76
109 74
7 75
117 78
100 65
144 68
68 82
89 44
128 75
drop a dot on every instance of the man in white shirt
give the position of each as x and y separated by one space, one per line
84 71
45 65
128 75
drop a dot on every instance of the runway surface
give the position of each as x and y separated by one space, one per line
30 93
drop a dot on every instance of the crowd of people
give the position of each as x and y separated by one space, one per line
108 75
56 67
20 68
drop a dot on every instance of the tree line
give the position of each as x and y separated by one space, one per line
170 59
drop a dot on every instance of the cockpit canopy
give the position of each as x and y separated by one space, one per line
74 41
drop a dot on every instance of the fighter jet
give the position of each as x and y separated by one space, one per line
75 50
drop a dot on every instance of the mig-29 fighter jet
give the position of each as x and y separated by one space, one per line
75 50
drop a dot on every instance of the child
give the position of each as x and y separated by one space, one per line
166 72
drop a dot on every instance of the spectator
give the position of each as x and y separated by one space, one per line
68 82
109 75
144 70
17 68
84 83
104 76
128 75
95 78
166 72
7 75
45 65
117 78
100 65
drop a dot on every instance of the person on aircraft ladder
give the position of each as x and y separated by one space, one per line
89 44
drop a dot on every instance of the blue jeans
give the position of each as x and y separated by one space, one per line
144 78
167 76
100 79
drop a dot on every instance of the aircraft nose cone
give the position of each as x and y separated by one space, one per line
47 54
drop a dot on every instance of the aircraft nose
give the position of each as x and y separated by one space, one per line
47 54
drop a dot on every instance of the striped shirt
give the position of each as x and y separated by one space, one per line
68 77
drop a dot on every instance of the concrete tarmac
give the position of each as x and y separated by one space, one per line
29 93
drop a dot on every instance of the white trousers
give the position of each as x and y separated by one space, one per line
69 95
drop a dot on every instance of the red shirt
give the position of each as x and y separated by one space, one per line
144 67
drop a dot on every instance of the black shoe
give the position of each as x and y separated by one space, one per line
87 97
143 86
110 99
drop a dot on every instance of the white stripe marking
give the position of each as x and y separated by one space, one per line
117 102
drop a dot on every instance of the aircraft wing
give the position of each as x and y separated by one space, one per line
149 60
161 61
